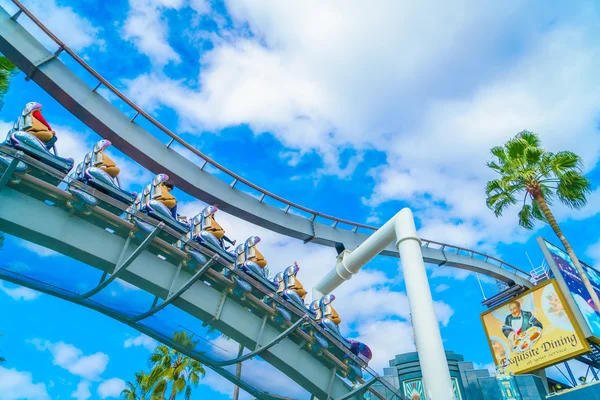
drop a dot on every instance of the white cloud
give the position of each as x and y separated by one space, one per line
386 339
82 392
593 251
15 385
77 32
37 249
19 292
111 388
310 73
441 288
201 6
442 163
141 340
73 360
434 106
324 87
147 28
491 367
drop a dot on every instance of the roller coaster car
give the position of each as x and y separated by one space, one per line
290 288
208 233
329 319
93 172
34 147
254 262
20 139
147 202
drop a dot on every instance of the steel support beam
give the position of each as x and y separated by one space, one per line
120 268
172 296
256 352
8 172
360 389
92 245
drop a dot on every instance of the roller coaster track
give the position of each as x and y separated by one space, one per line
35 209
291 219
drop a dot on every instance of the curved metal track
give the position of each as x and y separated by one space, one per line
109 122
91 244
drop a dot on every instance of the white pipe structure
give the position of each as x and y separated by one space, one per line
428 339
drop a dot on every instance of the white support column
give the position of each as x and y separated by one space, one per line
428 339
401 228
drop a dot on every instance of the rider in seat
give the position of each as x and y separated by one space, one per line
39 127
293 282
258 258
108 165
217 230
169 200
330 312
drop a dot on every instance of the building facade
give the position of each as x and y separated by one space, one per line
469 383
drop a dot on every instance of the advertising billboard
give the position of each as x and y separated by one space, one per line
569 280
533 330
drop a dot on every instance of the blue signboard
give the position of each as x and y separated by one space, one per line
563 267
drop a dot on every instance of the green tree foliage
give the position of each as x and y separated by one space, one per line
143 388
535 178
7 71
178 372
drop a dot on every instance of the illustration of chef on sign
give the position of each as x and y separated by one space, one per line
518 321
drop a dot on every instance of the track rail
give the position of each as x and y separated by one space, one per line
333 223
41 190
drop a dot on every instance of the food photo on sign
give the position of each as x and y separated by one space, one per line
533 330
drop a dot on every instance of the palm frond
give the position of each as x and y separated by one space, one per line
572 189
499 152
6 65
530 138
526 217
565 161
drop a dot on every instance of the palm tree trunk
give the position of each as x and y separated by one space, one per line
552 221
238 374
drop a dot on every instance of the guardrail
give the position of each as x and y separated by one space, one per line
237 179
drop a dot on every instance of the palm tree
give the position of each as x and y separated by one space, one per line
7 71
527 170
177 369
144 388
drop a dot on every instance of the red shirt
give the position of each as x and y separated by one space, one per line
38 115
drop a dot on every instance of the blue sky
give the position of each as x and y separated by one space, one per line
355 110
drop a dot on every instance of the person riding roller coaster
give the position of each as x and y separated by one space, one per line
218 231
41 129
108 165
169 200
